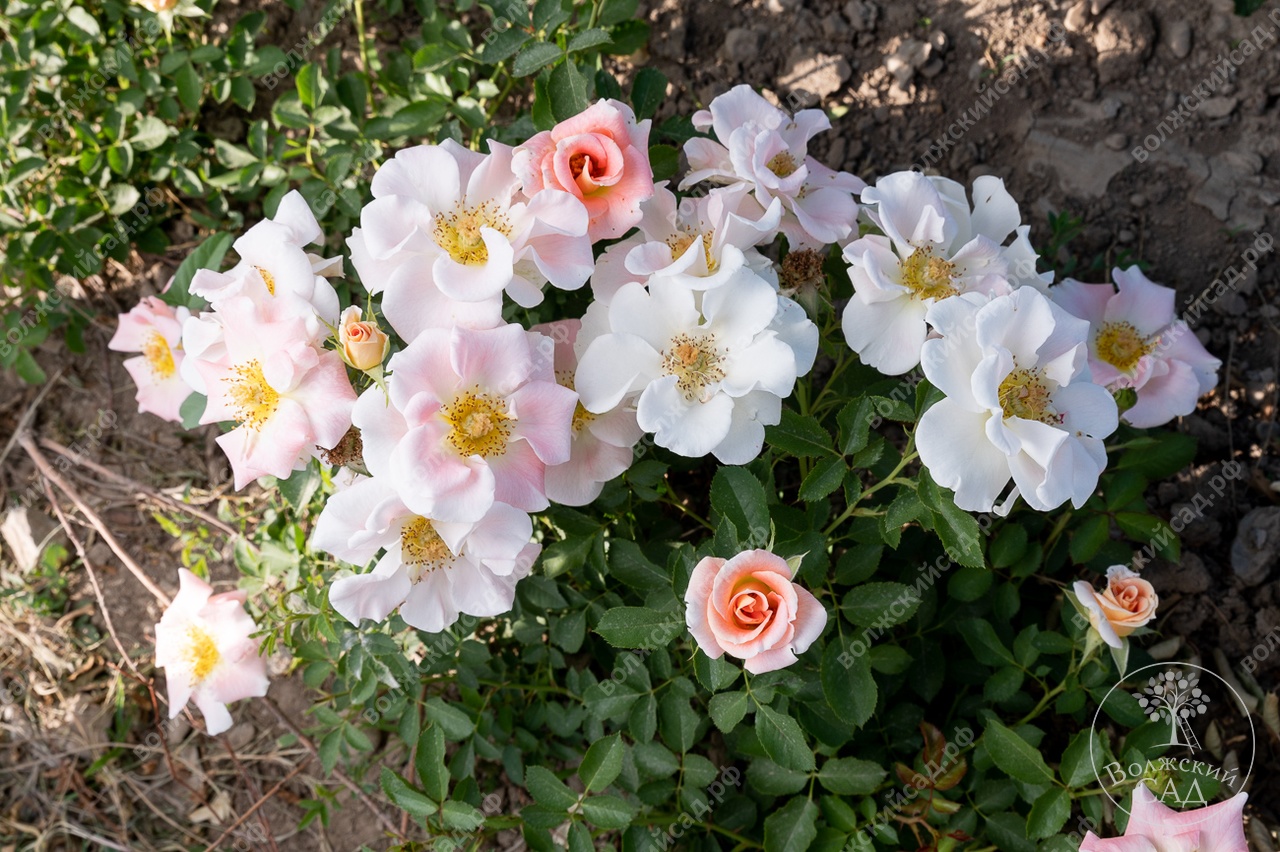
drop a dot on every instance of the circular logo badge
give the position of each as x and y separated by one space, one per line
1171 702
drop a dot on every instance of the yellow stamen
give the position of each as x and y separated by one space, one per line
481 426
928 277
253 399
581 417
1024 394
695 362
422 549
681 242
458 232
783 164
159 356
201 654
1120 345
268 279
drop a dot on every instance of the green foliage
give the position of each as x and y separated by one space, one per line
590 694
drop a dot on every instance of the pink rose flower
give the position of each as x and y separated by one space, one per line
748 607
204 644
155 330
1136 340
1153 827
600 156
470 417
287 395
601 447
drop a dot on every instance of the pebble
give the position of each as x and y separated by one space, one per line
1138 200
1125 236
1111 106
1180 39
940 41
1077 17
862 15
1218 107
932 68
741 44
1117 141
910 56
1256 548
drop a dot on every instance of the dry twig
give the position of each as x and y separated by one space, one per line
28 443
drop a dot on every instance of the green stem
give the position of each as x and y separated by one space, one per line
909 455
360 35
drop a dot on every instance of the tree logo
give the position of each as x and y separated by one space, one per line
1176 698
1151 734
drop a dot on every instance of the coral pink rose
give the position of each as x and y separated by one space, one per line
1128 602
748 607
600 156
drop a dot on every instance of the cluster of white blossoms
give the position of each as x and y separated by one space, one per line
1028 368
469 422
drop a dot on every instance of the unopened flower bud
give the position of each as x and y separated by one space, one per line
364 345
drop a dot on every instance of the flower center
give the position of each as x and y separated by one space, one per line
695 362
268 279
581 417
201 653
1120 345
253 399
458 232
681 242
159 356
422 549
480 424
1024 394
782 165
928 277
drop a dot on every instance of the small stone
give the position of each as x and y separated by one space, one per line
1111 106
1125 236
741 44
1099 6
910 56
816 74
1256 549
1218 107
1117 141
861 15
1077 17
1179 36
940 41
932 68
1123 41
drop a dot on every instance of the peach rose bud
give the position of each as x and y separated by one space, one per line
1127 603
747 607
364 345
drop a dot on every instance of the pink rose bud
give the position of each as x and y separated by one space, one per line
748 607
364 345
1127 603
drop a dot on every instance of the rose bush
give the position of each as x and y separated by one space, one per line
753 507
